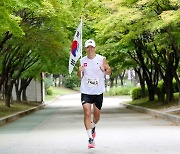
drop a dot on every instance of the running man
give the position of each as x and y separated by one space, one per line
92 70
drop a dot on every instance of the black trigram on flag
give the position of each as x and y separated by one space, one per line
77 34
73 62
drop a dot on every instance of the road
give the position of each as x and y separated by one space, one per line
59 129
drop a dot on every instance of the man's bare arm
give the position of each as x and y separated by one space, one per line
107 68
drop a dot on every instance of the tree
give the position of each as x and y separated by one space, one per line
44 40
136 26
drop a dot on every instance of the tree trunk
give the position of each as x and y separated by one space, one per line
146 72
7 37
150 91
121 76
161 93
7 100
8 91
18 92
59 83
169 88
176 76
24 84
18 95
116 80
63 80
24 97
141 81
122 83
173 42
111 82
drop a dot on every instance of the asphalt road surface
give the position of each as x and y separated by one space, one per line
59 129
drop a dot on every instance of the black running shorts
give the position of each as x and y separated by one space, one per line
92 99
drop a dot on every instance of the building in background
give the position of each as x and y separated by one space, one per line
35 91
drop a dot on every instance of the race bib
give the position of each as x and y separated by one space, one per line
93 82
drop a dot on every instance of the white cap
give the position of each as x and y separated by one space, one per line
90 42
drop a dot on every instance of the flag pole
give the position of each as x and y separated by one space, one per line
81 44
81 36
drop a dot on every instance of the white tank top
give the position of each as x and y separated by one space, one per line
92 82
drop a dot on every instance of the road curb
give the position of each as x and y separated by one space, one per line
154 113
18 115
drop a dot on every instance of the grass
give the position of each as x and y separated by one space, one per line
15 107
155 104
58 91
